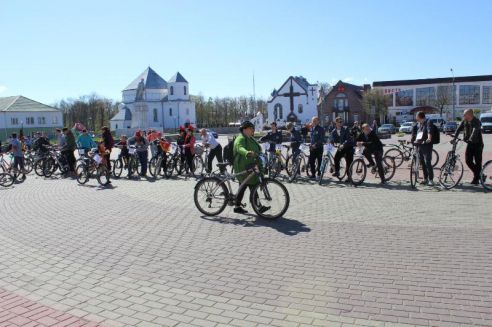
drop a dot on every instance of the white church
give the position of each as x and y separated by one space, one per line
151 102
295 101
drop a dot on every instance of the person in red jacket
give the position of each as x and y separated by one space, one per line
189 148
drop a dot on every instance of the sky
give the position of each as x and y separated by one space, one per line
51 50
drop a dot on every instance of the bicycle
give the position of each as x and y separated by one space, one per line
8 168
452 169
402 152
6 179
358 168
93 165
133 162
415 166
327 163
486 176
177 162
157 166
264 197
276 160
54 161
299 162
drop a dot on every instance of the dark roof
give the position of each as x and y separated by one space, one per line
123 114
178 78
443 80
152 80
23 104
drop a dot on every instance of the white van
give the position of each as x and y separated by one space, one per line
486 120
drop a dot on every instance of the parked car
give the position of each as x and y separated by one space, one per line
388 128
486 120
214 133
406 127
450 127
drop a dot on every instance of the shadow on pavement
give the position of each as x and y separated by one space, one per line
290 227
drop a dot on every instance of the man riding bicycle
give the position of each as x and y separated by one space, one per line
273 137
372 146
295 139
341 135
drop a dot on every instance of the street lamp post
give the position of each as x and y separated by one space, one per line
454 97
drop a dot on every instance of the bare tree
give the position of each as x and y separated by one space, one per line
375 103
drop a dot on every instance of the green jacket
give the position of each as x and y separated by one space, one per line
242 145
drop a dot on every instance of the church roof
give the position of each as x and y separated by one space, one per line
23 104
152 80
178 78
123 114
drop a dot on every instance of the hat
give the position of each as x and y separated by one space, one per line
182 129
246 124
191 128
138 133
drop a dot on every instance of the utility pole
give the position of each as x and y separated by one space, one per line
454 97
254 95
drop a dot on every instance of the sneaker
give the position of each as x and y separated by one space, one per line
240 210
474 182
336 174
383 182
424 182
431 183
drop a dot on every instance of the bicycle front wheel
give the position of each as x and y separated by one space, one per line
6 179
82 174
210 196
38 167
435 158
49 167
28 165
198 166
153 167
117 167
270 199
414 173
103 175
451 173
395 154
389 168
322 169
486 176
357 172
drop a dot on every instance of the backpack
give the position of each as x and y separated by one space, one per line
434 131
228 152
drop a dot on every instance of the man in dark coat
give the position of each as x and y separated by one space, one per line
372 146
341 135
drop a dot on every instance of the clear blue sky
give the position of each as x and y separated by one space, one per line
56 49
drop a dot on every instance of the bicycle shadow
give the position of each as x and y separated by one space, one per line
286 226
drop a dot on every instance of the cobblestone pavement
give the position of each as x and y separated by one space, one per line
140 254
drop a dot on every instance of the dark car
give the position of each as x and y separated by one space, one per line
450 127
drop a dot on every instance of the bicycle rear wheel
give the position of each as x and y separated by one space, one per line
486 176
270 199
168 170
451 173
389 168
38 167
343 169
395 154
117 168
28 165
82 174
322 169
435 158
210 196
153 167
198 166
103 175
414 173
296 167
49 167
357 172
6 179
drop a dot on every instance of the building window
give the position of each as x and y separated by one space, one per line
172 90
170 111
30 121
300 109
469 94
187 111
404 98
41 120
278 111
14 121
389 100
444 94
156 118
356 117
184 89
487 95
55 119
426 96
340 103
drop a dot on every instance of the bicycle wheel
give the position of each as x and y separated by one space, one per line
49 167
28 165
414 173
486 176
435 158
270 199
451 173
343 169
103 175
288 165
38 167
210 196
357 172
117 167
19 177
82 174
198 166
389 168
322 169
6 179
296 167
396 154
153 167
168 170
156 168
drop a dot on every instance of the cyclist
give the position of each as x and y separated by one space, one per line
108 141
273 137
189 148
295 139
342 136
355 130
85 141
124 153
472 135
16 149
316 146
246 149
422 136
68 148
372 146
40 144
208 140
141 147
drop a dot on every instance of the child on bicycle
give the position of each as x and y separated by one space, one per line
124 153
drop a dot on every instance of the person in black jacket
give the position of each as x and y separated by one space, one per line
372 146
295 139
422 137
316 146
472 135
341 135
273 137
108 140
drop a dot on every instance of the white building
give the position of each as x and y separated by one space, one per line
295 101
406 97
18 112
151 102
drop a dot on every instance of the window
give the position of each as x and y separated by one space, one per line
300 109
341 102
469 94
55 119
30 121
278 111
41 120
187 111
445 94
14 121
170 111
184 89
389 100
404 98
426 96
487 95
156 118
172 90
116 127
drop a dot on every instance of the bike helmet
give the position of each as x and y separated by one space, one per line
246 124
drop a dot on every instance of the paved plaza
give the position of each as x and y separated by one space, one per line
140 254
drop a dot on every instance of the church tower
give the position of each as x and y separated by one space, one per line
178 88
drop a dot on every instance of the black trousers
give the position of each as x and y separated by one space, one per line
378 155
425 152
315 155
473 157
68 154
189 159
346 152
214 153
240 195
